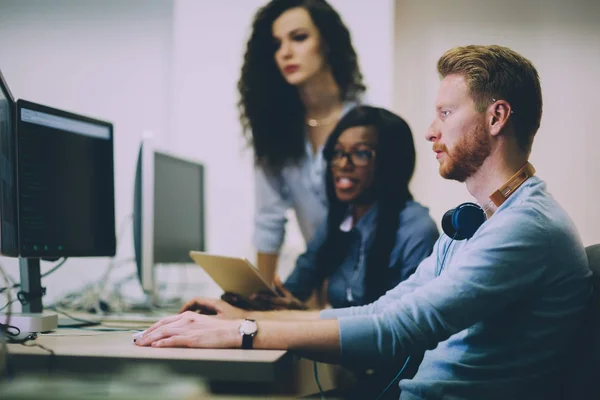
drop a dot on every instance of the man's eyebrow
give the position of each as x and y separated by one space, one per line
440 106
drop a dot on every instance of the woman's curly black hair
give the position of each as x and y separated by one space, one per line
395 164
271 112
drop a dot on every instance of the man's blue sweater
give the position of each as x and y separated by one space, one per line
498 317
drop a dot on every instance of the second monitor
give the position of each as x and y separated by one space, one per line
168 216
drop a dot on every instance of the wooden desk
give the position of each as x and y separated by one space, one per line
82 352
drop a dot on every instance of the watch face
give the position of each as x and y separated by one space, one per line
248 327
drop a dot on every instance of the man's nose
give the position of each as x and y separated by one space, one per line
433 133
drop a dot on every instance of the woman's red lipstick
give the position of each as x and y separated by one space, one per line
288 69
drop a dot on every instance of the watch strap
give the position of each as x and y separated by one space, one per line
248 338
247 341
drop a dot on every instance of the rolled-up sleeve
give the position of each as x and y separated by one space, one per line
271 205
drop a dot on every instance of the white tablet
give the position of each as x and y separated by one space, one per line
233 274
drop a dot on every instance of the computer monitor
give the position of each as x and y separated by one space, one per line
8 174
66 184
66 198
168 216
56 194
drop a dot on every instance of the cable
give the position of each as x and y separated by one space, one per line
52 354
113 262
4 365
26 297
317 380
12 339
87 332
45 274
438 269
9 287
84 321
395 378
7 304
53 269
41 346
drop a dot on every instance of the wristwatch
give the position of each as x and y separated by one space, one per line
248 330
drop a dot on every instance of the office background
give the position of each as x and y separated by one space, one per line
169 69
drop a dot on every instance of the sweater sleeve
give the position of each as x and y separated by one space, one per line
497 266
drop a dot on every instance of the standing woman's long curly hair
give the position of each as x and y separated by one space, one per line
395 164
271 111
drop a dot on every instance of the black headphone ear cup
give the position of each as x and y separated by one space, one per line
463 221
447 225
467 218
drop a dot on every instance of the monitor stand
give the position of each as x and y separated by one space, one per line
32 318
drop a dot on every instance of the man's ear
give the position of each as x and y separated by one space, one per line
499 113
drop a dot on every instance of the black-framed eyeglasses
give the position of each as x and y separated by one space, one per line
358 157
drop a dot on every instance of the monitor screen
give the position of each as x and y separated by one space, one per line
168 212
66 184
178 219
8 188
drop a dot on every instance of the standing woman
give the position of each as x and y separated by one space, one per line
300 75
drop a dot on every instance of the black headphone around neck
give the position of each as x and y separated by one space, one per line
463 221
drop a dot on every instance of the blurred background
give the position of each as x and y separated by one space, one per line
169 69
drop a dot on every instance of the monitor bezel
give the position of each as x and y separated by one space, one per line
110 251
146 265
6 89
5 251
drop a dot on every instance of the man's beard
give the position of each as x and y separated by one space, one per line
467 155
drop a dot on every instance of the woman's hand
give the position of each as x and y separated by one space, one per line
285 301
191 329
216 307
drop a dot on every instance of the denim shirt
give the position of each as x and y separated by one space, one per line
414 241
300 186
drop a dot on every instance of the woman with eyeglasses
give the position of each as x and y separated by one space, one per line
375 234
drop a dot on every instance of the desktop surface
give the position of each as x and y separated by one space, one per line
91 351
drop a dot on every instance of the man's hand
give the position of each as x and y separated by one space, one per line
216 307
286 300
190 329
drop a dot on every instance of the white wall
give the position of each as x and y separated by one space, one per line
562 39
209 42
371 25
108 60
171 68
